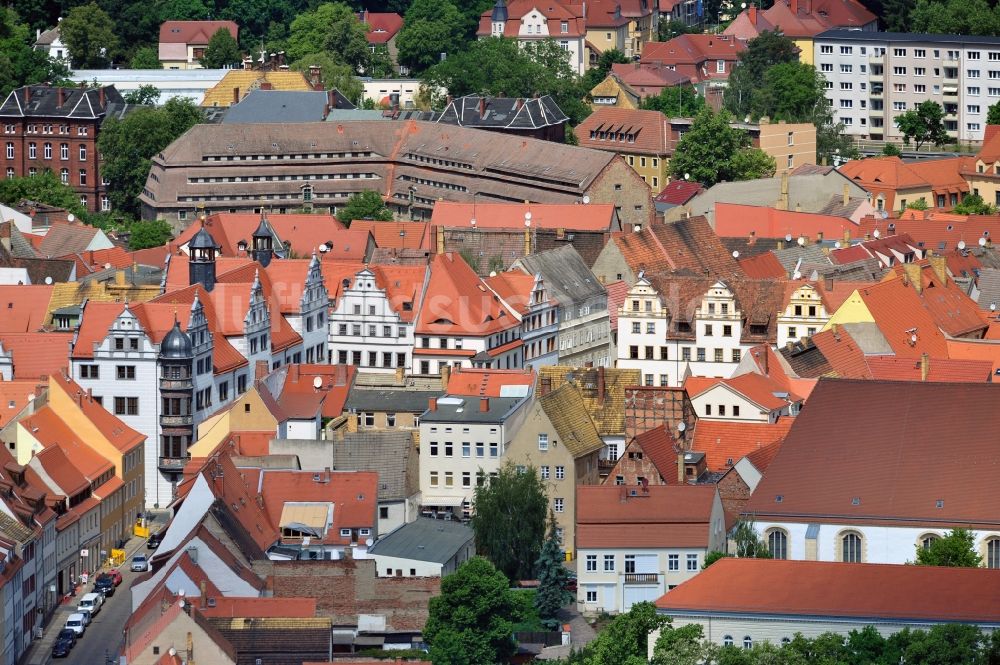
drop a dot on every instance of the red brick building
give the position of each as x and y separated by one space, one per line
56 128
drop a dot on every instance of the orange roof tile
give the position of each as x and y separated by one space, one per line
402 284
900 315
829 589
739 221
100 259
845 357
724 443
14 397
118 434
763 266
953 311
398 235
37 354
353 493
939 369
487 382
757 388
650 131
617 293
298 394
514 287
885 176
23 308
261 608
938 231
590 217
458 302
657 516
305 232
659 445
973 349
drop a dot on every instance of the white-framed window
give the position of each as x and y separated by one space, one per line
673 562
591 596
747 642
609 563
720 66
345 533
64 176
558 504
10 150
692 562
591 563
83 153
560 472
64 151
543 441
826 48
544 471
47 150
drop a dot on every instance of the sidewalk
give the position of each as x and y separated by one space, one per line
40 652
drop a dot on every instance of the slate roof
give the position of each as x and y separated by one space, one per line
469 410
279 106
387 453
817 589
503 112
567 277
829 460
389 400
43 102
424 539
568 413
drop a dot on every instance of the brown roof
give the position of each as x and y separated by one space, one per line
608 413
827 589
194 32
654 516
912 452
566 409
649 131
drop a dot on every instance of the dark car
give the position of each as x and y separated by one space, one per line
154 541
105 585
67 634
62 647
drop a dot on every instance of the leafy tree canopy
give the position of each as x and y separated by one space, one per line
183 10
222 51
993 114
127 145
552 577
669 28
762 53
90 35
891 150
472 621
919 204
333 74
364 205
333 27
923 124
680 101
430 27
509 521
713 151
973 204
600 71
145 57
791 91
625 640
956 17
20 64
42 188
148 234
956 549
146 95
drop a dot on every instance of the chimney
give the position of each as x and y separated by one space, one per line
266 85
260 370
59 97
835 329
828 283
600 385
204 595
925 366
783 202
546 384
341 376
847 237
432 404
795 7
912 274
352 423
680 467
940 268
100 96
819 236
236 95
527 240
27 95
752 14
482 108
400 375
293 372
484 404
445 377
440 240
847 194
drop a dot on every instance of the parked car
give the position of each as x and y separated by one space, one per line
91 602
87 615
116 576
77 623
139 563
154 540
104 585
67 634
62 647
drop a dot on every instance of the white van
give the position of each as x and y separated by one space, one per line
77 623
90 601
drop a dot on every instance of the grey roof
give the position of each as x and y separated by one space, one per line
869 338
864 270
280 462
176 344
989 288
809 254
566 274
43 101
279 106
468 410
916 37
836 207
47 37
389 381
390 400
503 112
386 452
424 539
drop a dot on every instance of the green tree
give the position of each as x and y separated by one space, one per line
957 17
89 34
791 91
333 27
145 57
472 621
333 74
148 234
947 644
430 27
183 10
552 575
895 14
20 64
145 95
891 150
748 543
669 28
600 71
993 114
919 204
956 549
509 521
924 124
624 641
222 51
712 557
128 144
42 188
763 52
973 204
713 151
681 101
680 646
364 205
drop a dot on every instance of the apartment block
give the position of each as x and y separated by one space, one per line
873 77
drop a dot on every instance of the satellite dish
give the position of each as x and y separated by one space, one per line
493 273
736 254
107 266
473 221
681 426
527 219
837 245
48 280
913 338
876 233
172 651
324 249
181 603
586 199
180 592
982 242
687 176
961 244
71 217
993 306
802 241
318 383
369 542
788 237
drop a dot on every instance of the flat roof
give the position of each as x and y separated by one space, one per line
916 37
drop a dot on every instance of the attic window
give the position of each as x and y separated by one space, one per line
856 501
779 498
939 503
729 461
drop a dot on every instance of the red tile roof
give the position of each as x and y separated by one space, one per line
679 192
885 176
937 439
261 608
969 349
648 79
458 302
514 287
954 311
845 357
95 260
398 235
51 431
353 493
939 369
402 284
118 434
724 443
487 382
658 516
935 230
650 129
688 53
757 388
300 399
194 32
555 13
659 445
849 254
617 292
590 217
382 26
739 221
763 266
23 308
816 589
305 232
37 354
900 315
14 397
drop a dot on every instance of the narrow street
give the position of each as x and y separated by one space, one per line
104 636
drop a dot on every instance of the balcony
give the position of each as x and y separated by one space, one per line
176 421
951 63
876 93
950 90
876 76
172 464
176 384
641 578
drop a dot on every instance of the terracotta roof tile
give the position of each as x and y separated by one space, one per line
37 354
617 292
261 607
118 434
487 382
735 220
763 266
844 358
815 589
657 516
382 26
14 397
456 301
724 443
897 310
659 445
590 217
354 495
400 235
23 308
938 369
194 32
650 131
679 192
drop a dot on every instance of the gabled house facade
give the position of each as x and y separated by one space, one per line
527 22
